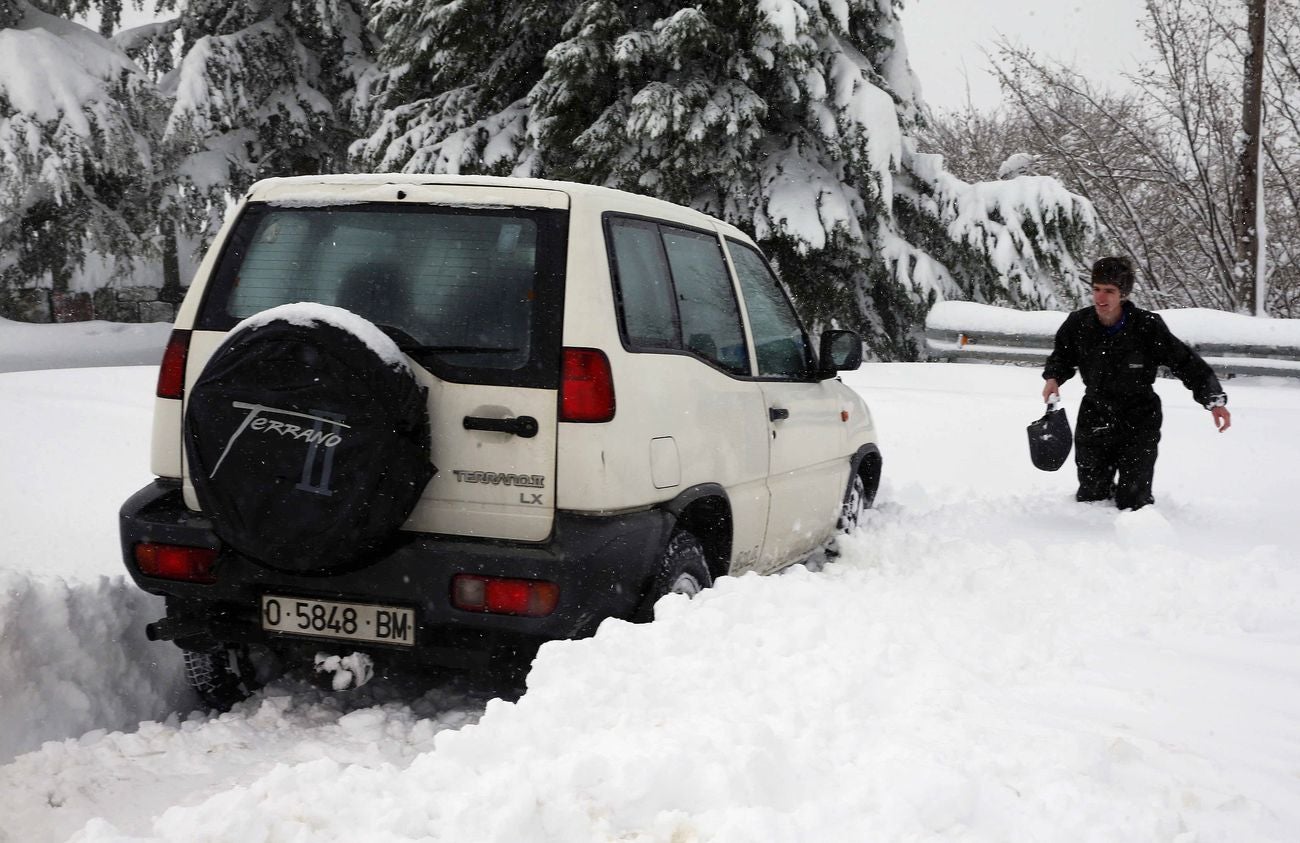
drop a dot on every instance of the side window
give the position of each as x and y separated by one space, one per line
779 340
705 298
644 285
675 292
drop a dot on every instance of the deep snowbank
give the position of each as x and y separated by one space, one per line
49 795
74 658
935 684
74 444
989 661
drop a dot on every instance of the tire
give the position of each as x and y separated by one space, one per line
683 569
224 677
857 500
308 447
854 506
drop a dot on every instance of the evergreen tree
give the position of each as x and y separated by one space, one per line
790 118
11 12
133 155
263 88
76 154
453 95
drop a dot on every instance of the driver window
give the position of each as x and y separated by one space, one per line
780 343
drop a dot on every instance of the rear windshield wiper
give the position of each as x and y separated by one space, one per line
408 344
463 349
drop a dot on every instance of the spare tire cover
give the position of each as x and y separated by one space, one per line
306 447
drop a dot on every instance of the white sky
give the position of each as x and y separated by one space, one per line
946 40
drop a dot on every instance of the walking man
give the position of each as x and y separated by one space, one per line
1117 348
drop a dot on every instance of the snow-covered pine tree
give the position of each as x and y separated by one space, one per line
453 93
11 12
791 118
75 153
263 88
108 11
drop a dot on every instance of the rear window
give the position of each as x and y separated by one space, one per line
472 294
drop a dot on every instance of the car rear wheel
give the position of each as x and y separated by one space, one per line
227 675
683 569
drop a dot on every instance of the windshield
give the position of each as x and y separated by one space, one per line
467 292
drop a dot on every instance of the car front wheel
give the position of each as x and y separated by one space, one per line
855 504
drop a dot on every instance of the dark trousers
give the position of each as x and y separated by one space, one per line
1108 443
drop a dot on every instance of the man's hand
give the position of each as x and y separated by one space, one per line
1050 388
1222 418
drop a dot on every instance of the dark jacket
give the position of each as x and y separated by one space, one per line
1119 366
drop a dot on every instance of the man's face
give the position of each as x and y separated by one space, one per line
1108 300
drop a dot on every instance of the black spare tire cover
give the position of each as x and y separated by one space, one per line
307 448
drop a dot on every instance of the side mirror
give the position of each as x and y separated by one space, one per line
841 351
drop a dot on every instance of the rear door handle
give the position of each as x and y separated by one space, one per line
523 426
777 413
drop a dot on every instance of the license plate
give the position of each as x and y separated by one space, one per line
341 621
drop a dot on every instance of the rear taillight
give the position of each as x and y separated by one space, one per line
171 374
176 562
586 386
503 596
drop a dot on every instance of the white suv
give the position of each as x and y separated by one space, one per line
442 419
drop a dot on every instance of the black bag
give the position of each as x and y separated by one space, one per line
1050 438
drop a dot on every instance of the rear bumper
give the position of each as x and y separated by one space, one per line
602 565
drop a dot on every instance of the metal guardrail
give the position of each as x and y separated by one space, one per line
984 346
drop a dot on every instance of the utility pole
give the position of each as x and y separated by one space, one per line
1249 224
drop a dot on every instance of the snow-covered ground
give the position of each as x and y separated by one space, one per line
987 661
1195 325
34 346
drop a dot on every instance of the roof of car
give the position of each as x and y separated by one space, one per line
275 188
